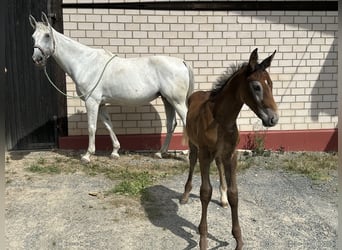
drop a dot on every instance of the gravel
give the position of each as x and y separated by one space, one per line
277 210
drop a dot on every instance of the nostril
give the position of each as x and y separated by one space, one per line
37 59
274 120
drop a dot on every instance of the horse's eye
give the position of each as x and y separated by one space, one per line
47 35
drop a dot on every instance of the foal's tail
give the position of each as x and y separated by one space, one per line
191 81
185 138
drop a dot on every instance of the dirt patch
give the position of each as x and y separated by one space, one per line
69 210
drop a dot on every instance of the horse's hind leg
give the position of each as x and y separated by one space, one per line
230 165
192 162
92 112
223 183
171 124
104 116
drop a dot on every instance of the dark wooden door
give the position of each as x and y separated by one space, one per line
35 112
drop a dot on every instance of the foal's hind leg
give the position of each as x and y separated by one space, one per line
104 116
171 124
205 158
192 162
223 183
230 165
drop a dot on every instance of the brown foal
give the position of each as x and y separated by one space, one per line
213 135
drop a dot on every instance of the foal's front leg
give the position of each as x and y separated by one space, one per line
92 112
230 165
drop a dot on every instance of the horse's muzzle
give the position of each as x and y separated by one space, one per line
39 57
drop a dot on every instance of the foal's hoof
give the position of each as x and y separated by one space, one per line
224 204
183 200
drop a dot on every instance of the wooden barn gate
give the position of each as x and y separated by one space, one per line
35 112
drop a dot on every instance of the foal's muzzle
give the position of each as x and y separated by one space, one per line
270 118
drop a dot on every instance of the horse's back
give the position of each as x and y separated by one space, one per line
158 62
152 70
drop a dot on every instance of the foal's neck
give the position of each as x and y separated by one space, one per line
228 104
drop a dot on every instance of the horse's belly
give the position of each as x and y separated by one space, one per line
131 99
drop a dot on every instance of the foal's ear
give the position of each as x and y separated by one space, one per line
267 62
33 21
45 19
253 60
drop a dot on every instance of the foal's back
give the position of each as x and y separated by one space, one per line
201 126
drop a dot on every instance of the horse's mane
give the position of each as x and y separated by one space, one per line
225 78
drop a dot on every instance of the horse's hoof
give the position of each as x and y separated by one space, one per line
185 152
85 160
158 155
115 156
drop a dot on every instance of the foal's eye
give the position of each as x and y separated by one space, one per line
256 88
47 36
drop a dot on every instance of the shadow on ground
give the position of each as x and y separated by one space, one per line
161 206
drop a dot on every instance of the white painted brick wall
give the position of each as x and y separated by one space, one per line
304 70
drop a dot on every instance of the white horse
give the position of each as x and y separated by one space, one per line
103 78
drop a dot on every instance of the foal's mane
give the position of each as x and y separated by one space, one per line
225 78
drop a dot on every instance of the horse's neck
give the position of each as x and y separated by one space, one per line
69 54
228 105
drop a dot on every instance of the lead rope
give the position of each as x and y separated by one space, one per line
86 94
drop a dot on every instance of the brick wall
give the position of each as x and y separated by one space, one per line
304 70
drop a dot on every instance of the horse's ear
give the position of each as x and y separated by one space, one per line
267 62
253 60
33 21
45 19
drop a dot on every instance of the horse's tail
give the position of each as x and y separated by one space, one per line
191 81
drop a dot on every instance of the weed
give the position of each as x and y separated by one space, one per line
41 161
245 162
256 142
48 169
315 165
133 184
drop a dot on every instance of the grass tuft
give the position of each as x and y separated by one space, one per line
317 166
44 169
133 184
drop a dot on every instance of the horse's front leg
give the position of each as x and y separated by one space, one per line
205 158
92 112
104 116
230 165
